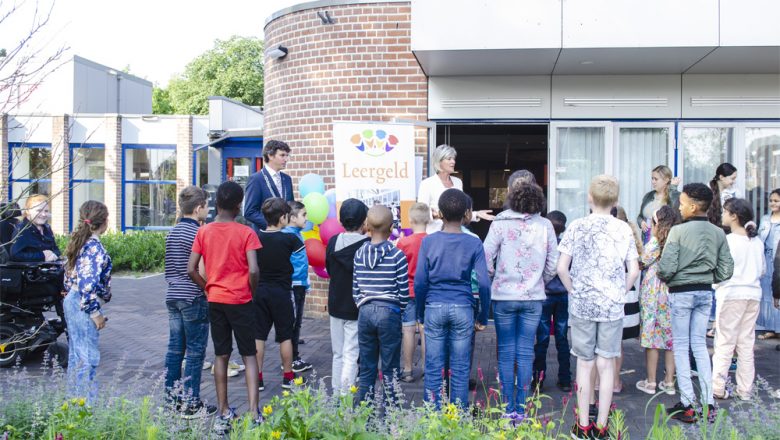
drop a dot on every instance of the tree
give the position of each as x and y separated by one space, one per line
161 102
233 68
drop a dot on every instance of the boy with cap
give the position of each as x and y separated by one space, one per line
339 262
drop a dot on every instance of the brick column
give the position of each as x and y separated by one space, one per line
60 174
184 165
4 159
113 171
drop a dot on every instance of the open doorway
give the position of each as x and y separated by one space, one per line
489 153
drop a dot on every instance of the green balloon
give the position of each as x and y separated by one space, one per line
316 207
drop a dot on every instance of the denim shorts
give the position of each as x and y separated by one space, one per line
591 338
409 317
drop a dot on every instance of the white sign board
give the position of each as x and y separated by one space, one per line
375 162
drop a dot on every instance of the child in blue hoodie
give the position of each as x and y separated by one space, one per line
380 288
300 280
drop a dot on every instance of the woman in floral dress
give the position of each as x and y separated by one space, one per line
655 312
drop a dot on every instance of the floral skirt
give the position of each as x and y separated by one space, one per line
656 316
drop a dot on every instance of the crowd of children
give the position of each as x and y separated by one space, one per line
533 270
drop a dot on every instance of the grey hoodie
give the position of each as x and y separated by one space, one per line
380 274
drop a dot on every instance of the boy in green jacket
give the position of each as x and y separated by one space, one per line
695 257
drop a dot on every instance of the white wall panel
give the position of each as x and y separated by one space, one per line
731 96
489 97
485 24
749 23
154 130
640 23
88 129
616 96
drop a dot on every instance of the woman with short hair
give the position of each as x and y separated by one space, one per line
443 161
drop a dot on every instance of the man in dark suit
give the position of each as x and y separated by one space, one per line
268 182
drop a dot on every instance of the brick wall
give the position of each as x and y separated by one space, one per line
60 174
183 153
113 171
361 69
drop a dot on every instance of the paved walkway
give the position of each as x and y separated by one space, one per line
137 335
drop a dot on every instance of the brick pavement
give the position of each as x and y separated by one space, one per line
137 334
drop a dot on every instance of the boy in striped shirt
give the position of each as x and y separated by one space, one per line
380 288
187 309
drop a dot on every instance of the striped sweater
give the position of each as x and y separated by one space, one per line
380 274
178 247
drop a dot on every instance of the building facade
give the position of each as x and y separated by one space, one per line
567 90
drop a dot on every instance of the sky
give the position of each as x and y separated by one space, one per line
155 38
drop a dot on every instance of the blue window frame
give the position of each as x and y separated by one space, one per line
29 170
87 174
148 186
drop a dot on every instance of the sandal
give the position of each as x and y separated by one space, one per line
767 335
406 376
723 396
667 387
646 387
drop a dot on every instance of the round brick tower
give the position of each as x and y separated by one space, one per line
346 61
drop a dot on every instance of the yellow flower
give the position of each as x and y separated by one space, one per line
276 434
501 436
64 406
298 381
82 401
353 389
285 393
267 410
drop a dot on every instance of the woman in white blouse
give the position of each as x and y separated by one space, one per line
443 160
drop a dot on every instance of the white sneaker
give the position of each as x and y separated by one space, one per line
236 366
231 371
207 365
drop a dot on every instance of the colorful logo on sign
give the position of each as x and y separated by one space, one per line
374 143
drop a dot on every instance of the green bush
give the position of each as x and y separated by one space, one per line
139 251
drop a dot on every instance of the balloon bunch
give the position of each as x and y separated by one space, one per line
322 223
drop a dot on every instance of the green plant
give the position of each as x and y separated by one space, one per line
139 251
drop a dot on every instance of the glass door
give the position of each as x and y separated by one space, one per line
703 149
579 151
240 163
639 148
762 165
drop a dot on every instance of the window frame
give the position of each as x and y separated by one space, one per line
73 182
20 145
125 182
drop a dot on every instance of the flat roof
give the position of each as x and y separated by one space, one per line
324 4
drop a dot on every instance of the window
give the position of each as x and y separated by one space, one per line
762 166
30 170
703 149
149 181
579 155
87 162
639 150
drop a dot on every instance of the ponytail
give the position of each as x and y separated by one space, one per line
716 208
92 216
744 212
752 230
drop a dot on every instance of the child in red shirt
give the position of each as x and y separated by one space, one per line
419 216
229 255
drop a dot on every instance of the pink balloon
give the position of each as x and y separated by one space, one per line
321 272
329 228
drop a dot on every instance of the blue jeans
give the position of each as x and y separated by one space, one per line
83 350
556 307
448 333
188 337
379 336
690 314
516 325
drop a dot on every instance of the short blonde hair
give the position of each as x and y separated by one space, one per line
604 190
440 153
420 214
33 201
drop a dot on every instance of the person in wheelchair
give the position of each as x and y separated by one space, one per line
33 239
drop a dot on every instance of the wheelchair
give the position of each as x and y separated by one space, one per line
27 290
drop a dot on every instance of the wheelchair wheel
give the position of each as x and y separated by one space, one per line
10 352
58 352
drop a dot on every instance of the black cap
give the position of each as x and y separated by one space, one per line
352 214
